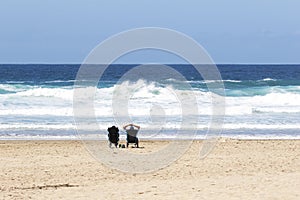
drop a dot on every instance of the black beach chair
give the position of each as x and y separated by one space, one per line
132 138
113 136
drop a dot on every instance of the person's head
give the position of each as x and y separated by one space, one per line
131 127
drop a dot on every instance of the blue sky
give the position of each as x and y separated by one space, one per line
232 31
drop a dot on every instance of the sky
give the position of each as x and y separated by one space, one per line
231 31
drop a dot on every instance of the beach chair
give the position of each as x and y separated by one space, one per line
132 138
131 134
113 136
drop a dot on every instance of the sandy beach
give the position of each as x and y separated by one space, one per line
235 169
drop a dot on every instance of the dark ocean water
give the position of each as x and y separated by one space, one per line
262 101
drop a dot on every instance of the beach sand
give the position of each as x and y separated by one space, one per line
235 169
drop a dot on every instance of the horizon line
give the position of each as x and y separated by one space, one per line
55 63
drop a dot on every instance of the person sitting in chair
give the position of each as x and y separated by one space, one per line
113 136
131 134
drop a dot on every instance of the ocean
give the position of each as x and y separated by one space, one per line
262 101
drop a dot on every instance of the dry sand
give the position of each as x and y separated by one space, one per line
235 169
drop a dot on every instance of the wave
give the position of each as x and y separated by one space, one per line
168 127
268 79
60 81
36 133
233 81
27 91
58 101
47 92
209 81
37 126
36 111
161 137
13 88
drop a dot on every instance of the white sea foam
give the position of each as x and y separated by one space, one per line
39 109
166 126
147 137
143 96
66 94
37 126
232 81
36 111
14 88
269 79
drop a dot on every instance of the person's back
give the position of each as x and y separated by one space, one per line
132 134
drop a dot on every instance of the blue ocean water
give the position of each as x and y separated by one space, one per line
262 101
